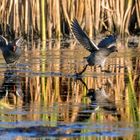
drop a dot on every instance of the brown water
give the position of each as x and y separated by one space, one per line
42 97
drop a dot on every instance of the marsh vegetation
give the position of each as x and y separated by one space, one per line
41 97
52 18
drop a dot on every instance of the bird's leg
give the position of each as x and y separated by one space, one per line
80 79
79 73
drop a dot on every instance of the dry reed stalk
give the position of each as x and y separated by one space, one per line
38 15
93 16
126 18
110 13
88 18
107 16
78 6
117 16
56 19
26 12
103 16
43 19
71 9
114 16
33 13
90 13
64 3
9 12
49 19
3 11
97 13
122 8
138 11
16 23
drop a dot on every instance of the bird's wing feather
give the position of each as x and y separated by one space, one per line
107 41
3 41
18 41
82 37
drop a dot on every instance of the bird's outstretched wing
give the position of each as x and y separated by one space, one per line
82 37
18 41
3 41
107 41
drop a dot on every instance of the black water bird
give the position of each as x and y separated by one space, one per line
98 53
11 50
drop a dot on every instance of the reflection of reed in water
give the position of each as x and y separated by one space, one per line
61 98
64 89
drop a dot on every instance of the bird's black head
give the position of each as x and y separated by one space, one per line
91 94
113 48
15 43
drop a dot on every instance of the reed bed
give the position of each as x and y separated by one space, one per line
52 18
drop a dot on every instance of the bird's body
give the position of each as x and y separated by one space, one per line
10 56
98 53
97 58
11 51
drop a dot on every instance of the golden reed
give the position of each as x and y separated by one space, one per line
52 18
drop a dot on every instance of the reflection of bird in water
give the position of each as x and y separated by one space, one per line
98 53
99 99
11 50
11 84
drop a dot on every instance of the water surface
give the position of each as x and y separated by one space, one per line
41 97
